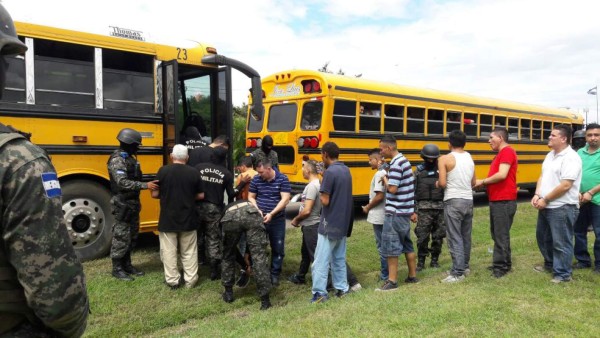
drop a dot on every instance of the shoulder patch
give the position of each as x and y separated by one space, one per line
51 184
124 154
121 172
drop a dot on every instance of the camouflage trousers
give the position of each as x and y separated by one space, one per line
125 233
430 225
245 218
209 215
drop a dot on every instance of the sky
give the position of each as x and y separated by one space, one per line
544 52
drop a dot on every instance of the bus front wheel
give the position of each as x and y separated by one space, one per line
87 211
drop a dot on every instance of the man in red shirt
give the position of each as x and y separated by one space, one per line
501 184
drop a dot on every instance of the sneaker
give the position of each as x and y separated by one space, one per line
340 293
558 280
388 286
466 273
453 279
244 279
411 280
498 273
297 279
319 298
541 268
356 287
580 265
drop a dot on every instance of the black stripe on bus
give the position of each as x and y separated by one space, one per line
73 113
365 164
458 103
400 136
363 151
94 150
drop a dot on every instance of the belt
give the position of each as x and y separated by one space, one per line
237 206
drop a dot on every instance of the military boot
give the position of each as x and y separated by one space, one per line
118 271
265 302
215 270
421 263
228 294
434 261
130 269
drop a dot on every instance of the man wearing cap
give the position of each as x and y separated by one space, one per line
125 184
42 284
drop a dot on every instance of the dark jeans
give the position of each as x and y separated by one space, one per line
276 232
589 213
554 234
310 235
502 214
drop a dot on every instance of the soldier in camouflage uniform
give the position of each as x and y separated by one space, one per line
241 216
429 213
265 152
42 285
125 183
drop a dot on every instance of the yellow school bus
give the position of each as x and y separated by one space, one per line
73 91
304 109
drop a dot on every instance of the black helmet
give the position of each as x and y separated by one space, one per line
579 134
430 151
130 136
9 43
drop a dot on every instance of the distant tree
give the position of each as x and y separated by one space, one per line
325 69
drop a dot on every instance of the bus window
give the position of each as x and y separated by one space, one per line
370 117
415 124
547 129
393 119
282 117
64 74
311 115
536 130
525 129
15 79
198 104
485 125
435 121
470 122
453 120
128 81
254 125
344 115
513 128
500 121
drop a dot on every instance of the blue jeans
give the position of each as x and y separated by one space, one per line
458 215
589 213
276 232
328 253
554 235
378 229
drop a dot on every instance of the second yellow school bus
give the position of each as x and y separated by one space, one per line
304 109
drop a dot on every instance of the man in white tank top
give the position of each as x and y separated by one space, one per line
457 177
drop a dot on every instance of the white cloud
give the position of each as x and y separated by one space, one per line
539 52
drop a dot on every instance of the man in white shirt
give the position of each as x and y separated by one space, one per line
557 199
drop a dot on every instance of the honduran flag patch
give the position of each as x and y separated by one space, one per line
51 184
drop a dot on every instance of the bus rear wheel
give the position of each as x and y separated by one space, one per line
87 211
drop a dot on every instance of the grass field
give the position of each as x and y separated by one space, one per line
523 303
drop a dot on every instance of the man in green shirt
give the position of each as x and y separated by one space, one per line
589 199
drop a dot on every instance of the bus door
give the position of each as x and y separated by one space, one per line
222 122
167 97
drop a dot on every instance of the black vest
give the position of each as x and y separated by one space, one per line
426 189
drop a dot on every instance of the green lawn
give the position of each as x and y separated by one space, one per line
524 303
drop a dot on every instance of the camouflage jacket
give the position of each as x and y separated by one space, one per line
125 174
38 260
259 155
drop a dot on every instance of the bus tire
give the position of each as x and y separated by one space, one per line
88 217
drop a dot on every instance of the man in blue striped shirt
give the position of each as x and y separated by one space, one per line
270 192
399 207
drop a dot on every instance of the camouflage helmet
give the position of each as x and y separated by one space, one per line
430 151
129 136
579 134
9 43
